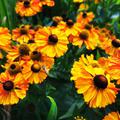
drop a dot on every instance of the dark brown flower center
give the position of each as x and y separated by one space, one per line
70 23
26 3
84 15
8 85
88 27
35 55
14 68
84 35
116 43
100 81
35 68
31 41
23 31
53 39
24 50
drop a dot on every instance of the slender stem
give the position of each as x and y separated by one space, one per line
7 110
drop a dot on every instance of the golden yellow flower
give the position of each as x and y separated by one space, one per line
85 17
46 62
79 118
78 1
28 7
23 34
88 37
50 3
34 72
5 38
12 88
69 27
113 67
13 68
112 116
111 47
93 82
51 42
20 51
83 6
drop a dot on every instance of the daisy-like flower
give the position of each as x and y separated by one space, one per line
13 68
85 17
12 88
20 51
112 116
113 67
111 47
86 36
5 38
93 82
79 118
34 72
56 20
69 27
46 62
51 42
50 3
23 34
28 7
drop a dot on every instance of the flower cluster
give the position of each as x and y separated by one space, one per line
31 7
31 51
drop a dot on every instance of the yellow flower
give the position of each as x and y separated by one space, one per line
5 38
79 118
34 72
20 51
92 81
69 27
28 7
78 1
51 42
50 3
83 7
111 47
23 34
113 67
86 36
12 88
85 17
112 116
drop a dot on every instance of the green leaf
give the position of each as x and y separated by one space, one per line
52 115
7 13
69 113
97 55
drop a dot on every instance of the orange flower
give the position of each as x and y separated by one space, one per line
28 7
93 82
46 62
5 38
50 3
34 72
111 47
87 37
12 88
20 51
51 42
23 34
112 116
85 17
69 27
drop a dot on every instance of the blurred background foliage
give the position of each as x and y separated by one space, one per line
56 98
